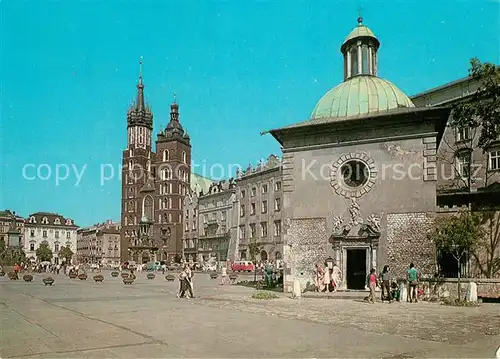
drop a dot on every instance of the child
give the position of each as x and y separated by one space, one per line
372 283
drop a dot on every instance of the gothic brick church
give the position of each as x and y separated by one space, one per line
154 181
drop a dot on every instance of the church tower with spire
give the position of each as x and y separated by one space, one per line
136 167
173 176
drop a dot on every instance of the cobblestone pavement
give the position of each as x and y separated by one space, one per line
83 319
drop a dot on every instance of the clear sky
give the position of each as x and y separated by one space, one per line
69 71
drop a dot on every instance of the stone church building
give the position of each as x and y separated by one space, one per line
154 183
359 177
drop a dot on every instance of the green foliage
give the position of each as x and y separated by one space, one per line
264 295
253 250
458 234
66 253
482 111
43 252
12 255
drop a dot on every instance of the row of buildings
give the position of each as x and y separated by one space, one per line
99 244
394 164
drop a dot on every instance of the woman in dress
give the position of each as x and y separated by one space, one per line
336 276
320 274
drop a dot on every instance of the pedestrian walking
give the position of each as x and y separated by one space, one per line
413 283
372 284
386 284
223 274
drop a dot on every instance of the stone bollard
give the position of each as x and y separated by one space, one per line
472 292
296 292
403 293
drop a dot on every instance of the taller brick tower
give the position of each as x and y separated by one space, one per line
173 176
136 171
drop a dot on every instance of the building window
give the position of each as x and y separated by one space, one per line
252 208
365 58
32 246
57 234
463 164
223 215
32 233
166 156
242 210
205 218
462 134
254 191
277 186
264 188
32 219
354 62
264 206
494 160
242 232
57 221
243 193
44 234
56 247
277 204
184 157
45 220
263 229
277 228
252 230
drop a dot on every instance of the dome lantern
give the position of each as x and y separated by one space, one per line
360 52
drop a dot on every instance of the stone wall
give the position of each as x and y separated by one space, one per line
443 288
307 244
407 242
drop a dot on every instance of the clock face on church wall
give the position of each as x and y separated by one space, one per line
353 175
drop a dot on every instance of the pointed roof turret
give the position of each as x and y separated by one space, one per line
139 114
174 129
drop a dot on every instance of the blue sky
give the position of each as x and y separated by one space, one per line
69 71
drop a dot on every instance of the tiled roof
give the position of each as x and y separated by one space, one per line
53 219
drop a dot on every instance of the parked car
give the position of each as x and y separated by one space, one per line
243 266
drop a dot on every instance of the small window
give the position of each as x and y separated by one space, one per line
263 229
184 157
463 164
242 232
32 246
462 134
44 234
45 220
166 155
252 209
32 219
277 204
57 234
68 235
264 188
264 206
277 228
277 186
365 58
354 61
243 193
56 247
254 191
57 221
32 233
242 210
494 160
252 230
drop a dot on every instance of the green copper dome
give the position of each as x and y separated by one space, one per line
360 95
360 31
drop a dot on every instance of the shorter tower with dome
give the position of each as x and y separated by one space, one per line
359 176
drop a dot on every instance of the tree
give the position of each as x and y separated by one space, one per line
66 253
458 234
486 254
482 110
475 123
43 252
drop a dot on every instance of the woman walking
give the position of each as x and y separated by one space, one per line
183 285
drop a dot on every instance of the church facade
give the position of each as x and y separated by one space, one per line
359 177
154 183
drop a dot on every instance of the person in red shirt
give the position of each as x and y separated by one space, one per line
372 284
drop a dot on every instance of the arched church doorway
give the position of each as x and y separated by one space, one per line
263 255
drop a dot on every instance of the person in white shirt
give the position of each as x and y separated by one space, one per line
223 274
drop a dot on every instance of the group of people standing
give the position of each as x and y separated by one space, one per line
328 277
384 281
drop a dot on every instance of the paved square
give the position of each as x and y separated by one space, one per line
83 319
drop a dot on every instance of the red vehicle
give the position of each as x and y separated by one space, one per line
243 266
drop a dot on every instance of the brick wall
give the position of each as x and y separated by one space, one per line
307 244
407 242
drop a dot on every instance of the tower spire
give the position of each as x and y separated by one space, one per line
360 15
174 110
140 90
